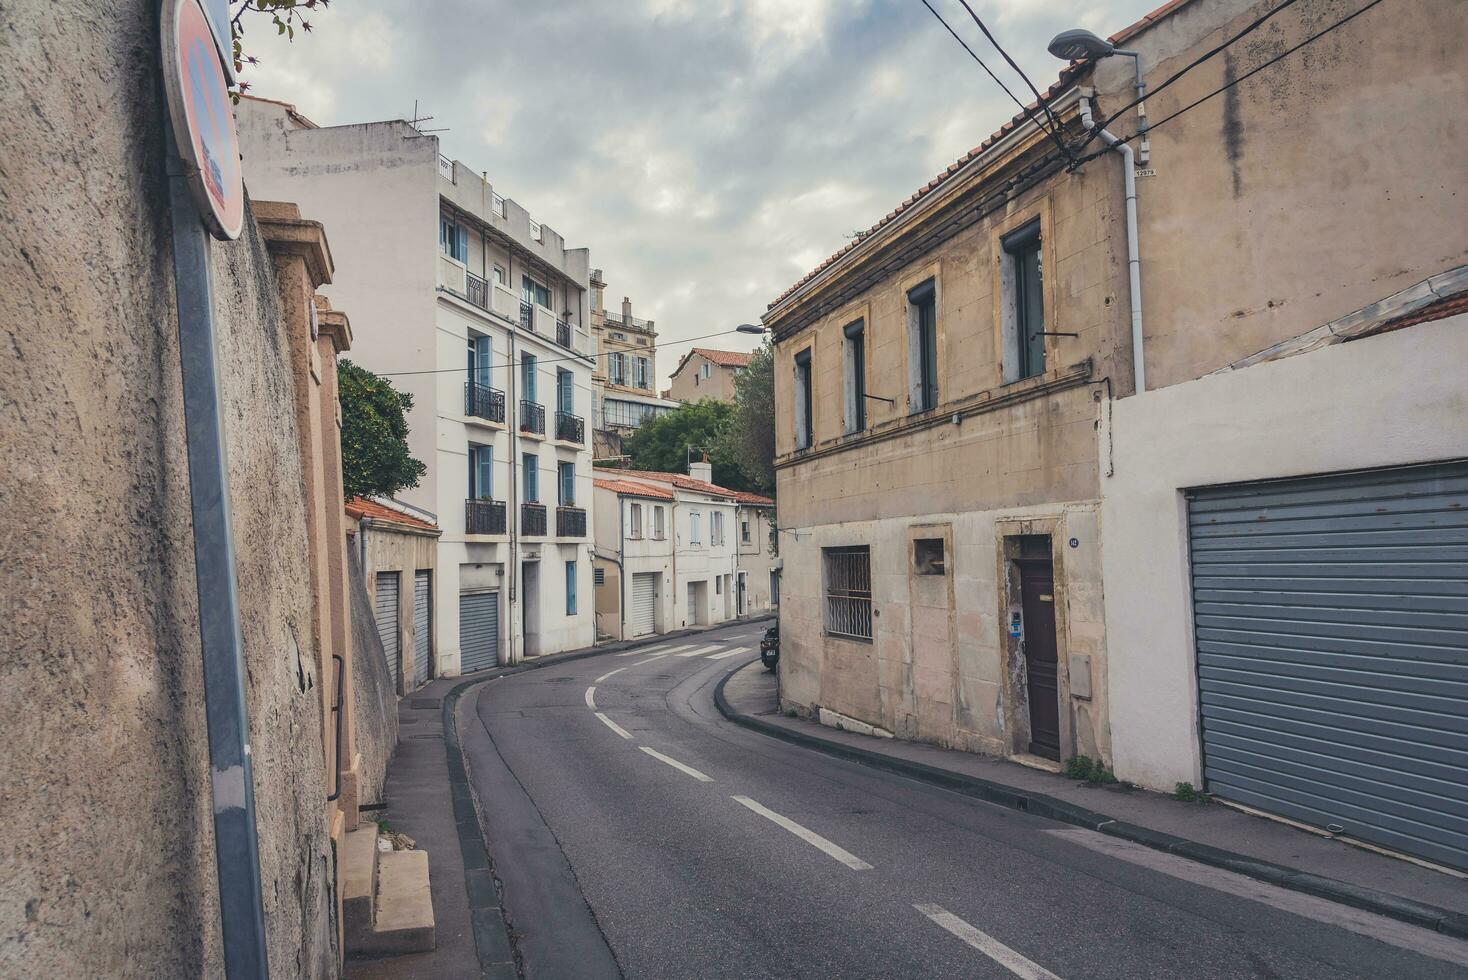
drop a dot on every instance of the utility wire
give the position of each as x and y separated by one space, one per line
1252 71
1044 105
997 81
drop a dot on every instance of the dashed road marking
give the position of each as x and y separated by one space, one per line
986 944
656 656
809 836
700 651
609 674
613 725
727 653
689 770
591 697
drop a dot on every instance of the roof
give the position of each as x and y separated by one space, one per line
1437 310
630 489
360 507
753 499
1068 77
675 479
723 358
291 110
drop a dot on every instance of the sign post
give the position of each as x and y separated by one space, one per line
206 190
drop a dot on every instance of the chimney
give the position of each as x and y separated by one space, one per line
702 470
627 310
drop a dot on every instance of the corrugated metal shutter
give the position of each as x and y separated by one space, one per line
385 607
644 612
479 631
421 631
1331 616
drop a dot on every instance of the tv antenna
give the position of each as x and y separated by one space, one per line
414 122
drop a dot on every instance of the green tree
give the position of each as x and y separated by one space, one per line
375 459
750 437
663 443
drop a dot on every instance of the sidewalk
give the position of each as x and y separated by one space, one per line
1211 833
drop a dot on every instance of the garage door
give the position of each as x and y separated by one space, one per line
479 631
643 618
1331 616
421 631
385 606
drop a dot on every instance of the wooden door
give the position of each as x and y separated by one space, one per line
1037 599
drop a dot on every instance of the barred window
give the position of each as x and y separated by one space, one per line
848 573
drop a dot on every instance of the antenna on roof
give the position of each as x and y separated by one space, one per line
422 119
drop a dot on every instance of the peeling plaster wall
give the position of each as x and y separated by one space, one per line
107 861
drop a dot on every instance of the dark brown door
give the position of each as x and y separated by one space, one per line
1037 601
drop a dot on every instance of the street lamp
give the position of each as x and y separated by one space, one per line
1077 44
753 328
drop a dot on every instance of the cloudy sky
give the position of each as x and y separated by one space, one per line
708 152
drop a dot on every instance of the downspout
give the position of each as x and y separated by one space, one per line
1134 260
512 519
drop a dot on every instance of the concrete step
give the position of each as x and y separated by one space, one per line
359 859
403 922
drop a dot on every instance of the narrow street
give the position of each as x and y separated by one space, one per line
705 850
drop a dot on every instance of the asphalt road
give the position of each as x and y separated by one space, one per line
638 833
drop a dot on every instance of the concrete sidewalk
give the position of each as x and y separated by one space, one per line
1265 849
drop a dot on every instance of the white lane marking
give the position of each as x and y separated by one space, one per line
649 660
986 944
1390 931
609 674
660 650
809 836
676 764
729 653
613 725
700 651
591 697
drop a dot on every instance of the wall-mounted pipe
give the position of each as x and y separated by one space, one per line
1134 260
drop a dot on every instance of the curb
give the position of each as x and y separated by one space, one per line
1382 903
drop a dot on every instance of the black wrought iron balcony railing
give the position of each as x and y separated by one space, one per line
532 417
563 334
483 402
532 520
484 517
570 428
570 522
527 315
476 290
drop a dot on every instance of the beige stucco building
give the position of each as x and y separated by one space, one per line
996 542
706 373
398 551
624 374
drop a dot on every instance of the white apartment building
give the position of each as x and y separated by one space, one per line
479 312
666 551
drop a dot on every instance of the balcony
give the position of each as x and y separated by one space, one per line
484 403
476 290
532 520
532 417
570 522
570 428
484 517
563 334
527 315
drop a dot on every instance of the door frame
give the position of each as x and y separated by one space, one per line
1016 694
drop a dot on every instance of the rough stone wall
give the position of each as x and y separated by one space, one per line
376 704
107 862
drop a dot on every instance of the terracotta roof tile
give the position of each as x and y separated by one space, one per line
675 479
632 489
360 507
745 497
1437 310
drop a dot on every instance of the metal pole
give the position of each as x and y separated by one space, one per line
236 846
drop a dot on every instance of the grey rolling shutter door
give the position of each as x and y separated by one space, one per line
479 631
420 627
1331 616
644 617
386 609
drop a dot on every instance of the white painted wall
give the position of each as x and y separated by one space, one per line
1388 400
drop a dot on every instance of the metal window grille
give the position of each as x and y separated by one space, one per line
848 592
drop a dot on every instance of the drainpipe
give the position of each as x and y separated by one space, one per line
512 519
1134 260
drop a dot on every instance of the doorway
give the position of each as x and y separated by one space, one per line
1037 631
743 606
530 607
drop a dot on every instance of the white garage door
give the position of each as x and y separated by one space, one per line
479 631
644 611
386 610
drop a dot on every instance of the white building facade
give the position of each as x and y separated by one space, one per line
479 312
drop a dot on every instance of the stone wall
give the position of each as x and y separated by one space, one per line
107 862
376 703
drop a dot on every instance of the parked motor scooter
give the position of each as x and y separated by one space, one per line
769 647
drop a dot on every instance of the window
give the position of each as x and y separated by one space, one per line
527 377
634 521
1024 305
570 588
774 587
848 573
453 238
533 292
803 422
499 274
531 464
481 472
639 373
480 351
695 532
565 392
657 522
716 528
566 479
744 531
708 370
718 585
927 556
856 376
922 347
616 368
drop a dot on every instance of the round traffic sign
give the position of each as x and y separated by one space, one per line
203 117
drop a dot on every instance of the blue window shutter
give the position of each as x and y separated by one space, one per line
570 588
483 352
568 484
461 251
484 460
